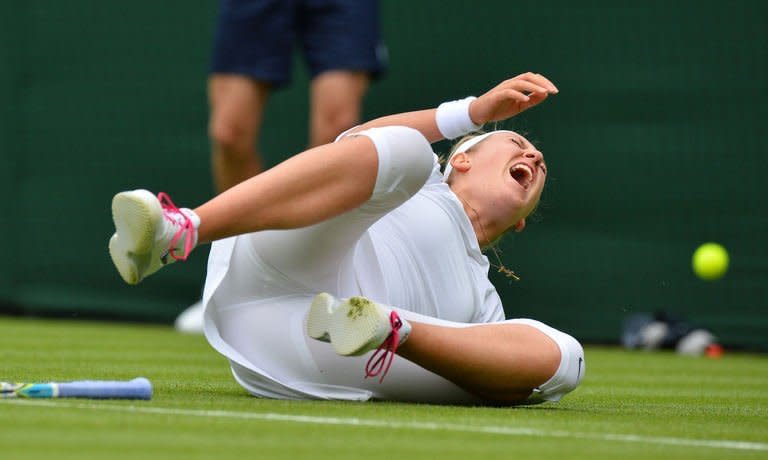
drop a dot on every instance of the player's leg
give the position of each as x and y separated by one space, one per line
306 189
237 109
503 363
500 362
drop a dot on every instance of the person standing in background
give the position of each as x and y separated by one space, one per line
252 56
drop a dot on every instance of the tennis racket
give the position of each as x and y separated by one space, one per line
138 388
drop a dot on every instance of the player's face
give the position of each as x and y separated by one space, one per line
509 173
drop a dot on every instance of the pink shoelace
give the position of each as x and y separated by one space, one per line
186 227
381 360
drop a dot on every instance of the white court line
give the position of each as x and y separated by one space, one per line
399 425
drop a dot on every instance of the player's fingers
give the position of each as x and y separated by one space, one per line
536 98
511 94
539 80
523 85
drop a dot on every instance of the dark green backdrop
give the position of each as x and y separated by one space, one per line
655 144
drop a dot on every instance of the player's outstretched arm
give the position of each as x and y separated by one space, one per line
501 102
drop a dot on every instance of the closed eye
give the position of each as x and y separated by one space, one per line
517 142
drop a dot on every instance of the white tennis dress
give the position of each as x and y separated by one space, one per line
411 246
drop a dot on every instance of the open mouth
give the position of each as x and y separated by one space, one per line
522 174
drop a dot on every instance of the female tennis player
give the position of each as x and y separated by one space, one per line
327 265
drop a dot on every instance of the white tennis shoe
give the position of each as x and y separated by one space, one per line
150 232
356 326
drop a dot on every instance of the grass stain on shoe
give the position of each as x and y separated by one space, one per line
357 304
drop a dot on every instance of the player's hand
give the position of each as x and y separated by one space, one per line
511 97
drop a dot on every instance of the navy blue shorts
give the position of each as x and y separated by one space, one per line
256 38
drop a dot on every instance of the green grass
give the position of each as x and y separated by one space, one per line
631 405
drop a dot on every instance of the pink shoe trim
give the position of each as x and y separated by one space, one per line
187 227
381 360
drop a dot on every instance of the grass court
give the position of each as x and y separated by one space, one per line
631 405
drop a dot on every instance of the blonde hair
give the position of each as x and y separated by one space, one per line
444 159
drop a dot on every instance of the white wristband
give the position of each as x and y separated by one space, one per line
453 118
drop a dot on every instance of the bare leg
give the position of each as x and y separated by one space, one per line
501 363
305 189
309 180
237 106
336 100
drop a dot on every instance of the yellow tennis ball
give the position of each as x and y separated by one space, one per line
710 261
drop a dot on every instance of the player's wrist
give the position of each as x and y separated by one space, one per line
454 120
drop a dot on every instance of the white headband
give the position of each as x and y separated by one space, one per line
466 145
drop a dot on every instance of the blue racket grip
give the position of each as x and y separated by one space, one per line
138 388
